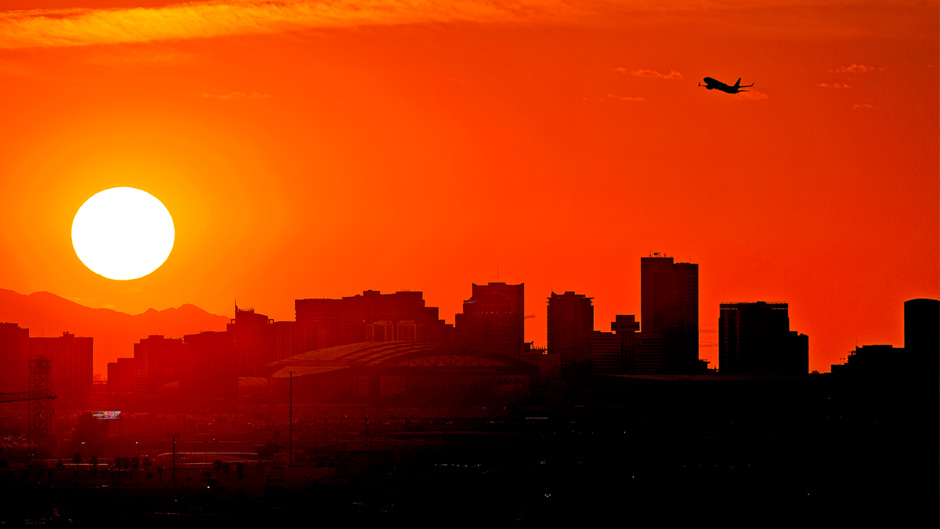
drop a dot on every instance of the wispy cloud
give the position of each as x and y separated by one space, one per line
862 105
234 96
212 18
752 95
857 68
653 74
832 85
615 97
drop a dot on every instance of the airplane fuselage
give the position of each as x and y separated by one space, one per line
714 84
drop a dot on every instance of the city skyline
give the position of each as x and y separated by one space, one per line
399 262
705 334
310 155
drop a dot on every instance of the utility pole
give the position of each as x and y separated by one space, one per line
290 425
175 436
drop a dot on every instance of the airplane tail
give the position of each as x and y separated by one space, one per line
737 84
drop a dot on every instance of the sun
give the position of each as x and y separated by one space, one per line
123 233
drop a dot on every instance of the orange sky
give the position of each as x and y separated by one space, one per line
310 149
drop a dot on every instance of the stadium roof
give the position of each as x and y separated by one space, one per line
394 354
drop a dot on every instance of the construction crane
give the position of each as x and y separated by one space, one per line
19 396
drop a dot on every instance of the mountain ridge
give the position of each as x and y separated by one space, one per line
114 332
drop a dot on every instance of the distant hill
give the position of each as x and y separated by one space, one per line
115 333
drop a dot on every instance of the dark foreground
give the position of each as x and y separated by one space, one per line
805 452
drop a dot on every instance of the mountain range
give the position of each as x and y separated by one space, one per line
114 332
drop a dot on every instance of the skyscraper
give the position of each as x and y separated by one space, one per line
669 313
755 339
493 319
570 327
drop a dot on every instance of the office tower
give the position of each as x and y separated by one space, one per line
570 327
70 360
922 330
669 314
14 353
755 339
493 319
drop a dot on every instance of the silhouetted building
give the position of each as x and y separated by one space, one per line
872 361
259 341
71 361
922 330
755 339
158 363
371 316
493 319
122 376
647 358
14 355
921 351
669 315
570 328
211 374
606 356
627 330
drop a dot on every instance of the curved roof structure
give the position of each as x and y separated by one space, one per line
396 354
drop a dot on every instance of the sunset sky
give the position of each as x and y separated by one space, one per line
318 149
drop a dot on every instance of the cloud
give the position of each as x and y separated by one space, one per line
856 68
615 97
653 74
861 105
753 95
234 96
833 85
213 18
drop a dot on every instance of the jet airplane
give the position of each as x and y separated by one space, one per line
713 84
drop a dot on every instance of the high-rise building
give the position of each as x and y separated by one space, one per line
70 360
210 376
922 330
493 319
669 313
755 339
14 355
570 327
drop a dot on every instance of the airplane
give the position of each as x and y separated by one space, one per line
712 84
